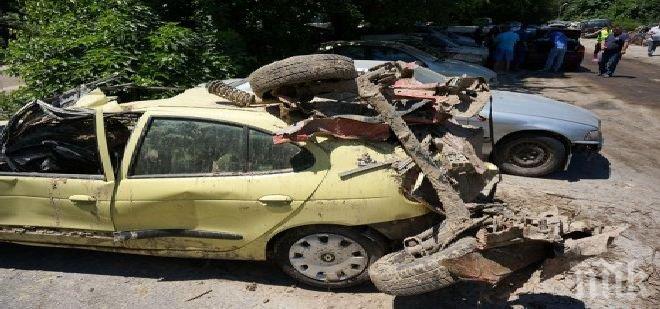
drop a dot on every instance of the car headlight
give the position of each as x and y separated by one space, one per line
594 135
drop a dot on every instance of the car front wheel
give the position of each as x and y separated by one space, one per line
530 155
328 257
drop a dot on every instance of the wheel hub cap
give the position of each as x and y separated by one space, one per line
528 155
328 257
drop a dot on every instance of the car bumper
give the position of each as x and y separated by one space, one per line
587 146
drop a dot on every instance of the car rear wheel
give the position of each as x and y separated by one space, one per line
328 257
530 155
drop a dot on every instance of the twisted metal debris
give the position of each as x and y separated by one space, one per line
476 241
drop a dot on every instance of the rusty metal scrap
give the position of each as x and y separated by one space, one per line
443 171
387 101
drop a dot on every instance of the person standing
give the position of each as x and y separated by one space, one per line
614 47
521 48
505 42
654 40
602 35
558 51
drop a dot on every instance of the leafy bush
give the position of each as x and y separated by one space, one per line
66 43
625 13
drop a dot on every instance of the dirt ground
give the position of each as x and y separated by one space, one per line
8 83
619 186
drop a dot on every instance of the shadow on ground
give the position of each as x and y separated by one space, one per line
163 269
585 166
517 81
481 295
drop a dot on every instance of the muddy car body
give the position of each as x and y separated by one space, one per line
192 177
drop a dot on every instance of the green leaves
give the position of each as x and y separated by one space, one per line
182 43
625 13
66 43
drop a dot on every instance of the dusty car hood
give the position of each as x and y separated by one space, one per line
539 106
458 68
479 51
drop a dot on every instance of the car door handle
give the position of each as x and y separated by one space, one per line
82 199
275 200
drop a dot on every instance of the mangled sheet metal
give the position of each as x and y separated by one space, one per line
442 151
42 138
477 240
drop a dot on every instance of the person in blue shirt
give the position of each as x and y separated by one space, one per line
505 42
556 57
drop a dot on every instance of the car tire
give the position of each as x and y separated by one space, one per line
530 155
292 254
236 96
300 70
401 274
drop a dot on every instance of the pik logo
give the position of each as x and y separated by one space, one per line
611 280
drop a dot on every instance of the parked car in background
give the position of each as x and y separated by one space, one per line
539 46
465 40
394 51
589 27
438 44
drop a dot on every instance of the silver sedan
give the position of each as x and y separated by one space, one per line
533 135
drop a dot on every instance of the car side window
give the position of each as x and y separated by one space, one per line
185 146
265 156
390 54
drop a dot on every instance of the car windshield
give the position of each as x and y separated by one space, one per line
418 53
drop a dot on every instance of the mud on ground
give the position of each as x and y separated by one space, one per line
619 186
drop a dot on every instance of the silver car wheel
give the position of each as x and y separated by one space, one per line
328 257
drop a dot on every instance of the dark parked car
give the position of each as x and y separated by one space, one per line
589 27
539 46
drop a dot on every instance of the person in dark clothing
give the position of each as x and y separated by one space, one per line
614 47
521 48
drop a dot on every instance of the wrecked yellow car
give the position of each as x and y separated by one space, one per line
192 176
318 168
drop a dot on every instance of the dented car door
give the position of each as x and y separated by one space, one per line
191 183
73 197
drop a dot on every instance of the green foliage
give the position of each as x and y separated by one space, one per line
66 43
60 44
626 13
10 102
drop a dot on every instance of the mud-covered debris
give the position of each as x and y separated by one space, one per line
479 239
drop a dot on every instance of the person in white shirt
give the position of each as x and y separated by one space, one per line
654 41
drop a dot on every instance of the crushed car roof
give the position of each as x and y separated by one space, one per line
194 102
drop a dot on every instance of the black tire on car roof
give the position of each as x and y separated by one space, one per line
299 70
